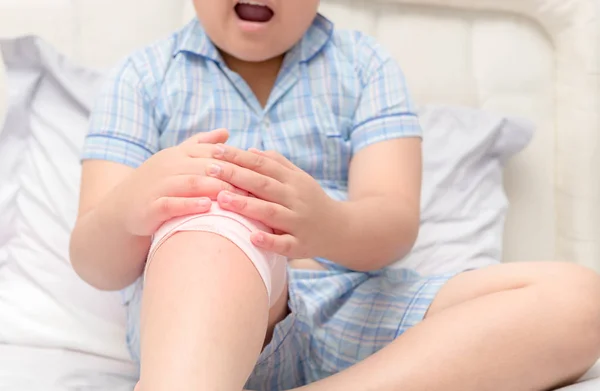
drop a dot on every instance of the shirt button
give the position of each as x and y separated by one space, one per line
267 123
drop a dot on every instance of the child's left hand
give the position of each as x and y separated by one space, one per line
288 200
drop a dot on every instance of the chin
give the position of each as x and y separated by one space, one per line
249 55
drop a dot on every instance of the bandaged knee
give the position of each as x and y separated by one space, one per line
270 266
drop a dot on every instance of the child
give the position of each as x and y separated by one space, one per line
201 223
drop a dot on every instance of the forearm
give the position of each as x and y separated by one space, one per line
103 254
372 233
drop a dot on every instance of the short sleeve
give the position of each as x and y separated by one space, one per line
385 110
122 127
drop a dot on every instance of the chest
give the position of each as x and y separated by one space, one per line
308 117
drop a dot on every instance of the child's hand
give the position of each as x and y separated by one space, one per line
288 200
170 184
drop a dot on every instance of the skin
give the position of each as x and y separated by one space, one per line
486 330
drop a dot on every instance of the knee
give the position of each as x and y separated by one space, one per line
574 291
572 280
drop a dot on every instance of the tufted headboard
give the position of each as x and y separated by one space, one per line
535 58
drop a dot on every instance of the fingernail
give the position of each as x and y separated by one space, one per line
226 198
203 202
260 238
214 170
219 151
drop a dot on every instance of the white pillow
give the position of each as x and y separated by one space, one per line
44 304
463 201
42 301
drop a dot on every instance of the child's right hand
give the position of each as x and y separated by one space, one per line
172 183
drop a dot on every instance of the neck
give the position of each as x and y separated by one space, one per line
252 69
260 76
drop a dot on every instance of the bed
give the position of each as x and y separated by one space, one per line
536 59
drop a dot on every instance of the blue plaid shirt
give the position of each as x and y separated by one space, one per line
337 92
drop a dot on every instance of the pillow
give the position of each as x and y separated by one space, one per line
463 202
42 301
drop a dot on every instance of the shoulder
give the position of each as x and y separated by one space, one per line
146 68
361 51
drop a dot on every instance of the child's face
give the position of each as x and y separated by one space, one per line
256 30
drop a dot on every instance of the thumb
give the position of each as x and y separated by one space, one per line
219 136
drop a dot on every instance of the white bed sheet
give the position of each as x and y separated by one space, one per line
59 370
33 369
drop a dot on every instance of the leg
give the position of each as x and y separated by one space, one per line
508 327
204 315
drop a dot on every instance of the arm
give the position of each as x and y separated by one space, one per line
102 252
122 135
384 201
382 214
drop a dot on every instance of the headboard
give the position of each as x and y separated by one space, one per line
535 58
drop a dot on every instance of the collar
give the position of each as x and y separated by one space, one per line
193 39
315 39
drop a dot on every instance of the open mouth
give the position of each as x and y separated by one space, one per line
253 11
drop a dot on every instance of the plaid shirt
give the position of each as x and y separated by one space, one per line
337 92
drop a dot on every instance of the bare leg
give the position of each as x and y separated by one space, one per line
204 316
529 327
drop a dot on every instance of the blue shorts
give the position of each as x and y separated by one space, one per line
338 318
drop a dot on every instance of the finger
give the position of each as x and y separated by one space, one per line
270 214
251 161
279 158
285 245
212 137
196 186
255 183
198 150
166 208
